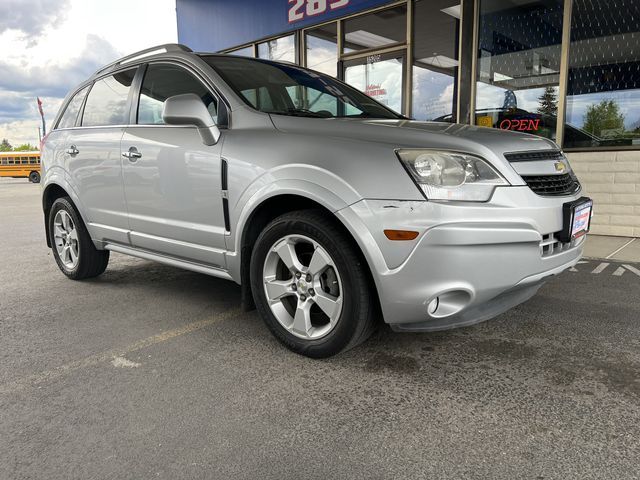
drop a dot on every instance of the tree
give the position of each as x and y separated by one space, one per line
5 146
605 115
548 102
25 147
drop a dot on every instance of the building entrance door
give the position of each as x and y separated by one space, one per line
381 76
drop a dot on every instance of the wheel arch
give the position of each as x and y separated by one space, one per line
50 194
272 207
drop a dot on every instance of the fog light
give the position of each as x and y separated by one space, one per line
433 306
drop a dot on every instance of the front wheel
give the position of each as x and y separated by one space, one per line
71 244
311 286
34 177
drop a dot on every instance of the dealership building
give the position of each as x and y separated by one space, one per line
568 70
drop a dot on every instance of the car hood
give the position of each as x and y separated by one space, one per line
411 133
488 143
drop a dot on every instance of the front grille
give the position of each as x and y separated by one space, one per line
534 156
552 185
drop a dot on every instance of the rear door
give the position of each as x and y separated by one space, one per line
93 156
57 142
173 183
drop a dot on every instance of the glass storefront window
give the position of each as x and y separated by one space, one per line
243 52
322 49
379 76
435 62
518 65
376 30
282 49
603 91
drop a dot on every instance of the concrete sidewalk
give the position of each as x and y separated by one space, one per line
613 248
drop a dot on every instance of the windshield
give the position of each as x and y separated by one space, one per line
290 90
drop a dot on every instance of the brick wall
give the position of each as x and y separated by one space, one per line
612 179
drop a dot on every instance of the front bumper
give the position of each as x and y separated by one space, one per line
477 260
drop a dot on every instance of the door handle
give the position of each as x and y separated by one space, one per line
132 154
72 150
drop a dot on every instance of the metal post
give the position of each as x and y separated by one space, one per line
408 84
474 61
466 58
564 71
340 48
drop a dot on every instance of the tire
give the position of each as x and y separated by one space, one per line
341 287
34 177
88 262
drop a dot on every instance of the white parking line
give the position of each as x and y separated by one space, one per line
632 269
600 268
623 246
574 269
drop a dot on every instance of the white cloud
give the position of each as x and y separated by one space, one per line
49 46
31 17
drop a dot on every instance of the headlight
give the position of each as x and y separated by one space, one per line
450 175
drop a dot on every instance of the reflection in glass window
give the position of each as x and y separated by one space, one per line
519 65
281 49
259 98
379 76
603 91
322 49
107 100
70 116
243 52
435 64
162 81
321 103
375 30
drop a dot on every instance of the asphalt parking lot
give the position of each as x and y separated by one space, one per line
154 372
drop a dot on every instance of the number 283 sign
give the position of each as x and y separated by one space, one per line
301 9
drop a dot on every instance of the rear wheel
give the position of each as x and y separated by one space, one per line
72 247
311 286
34 177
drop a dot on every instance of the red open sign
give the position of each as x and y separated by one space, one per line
524 125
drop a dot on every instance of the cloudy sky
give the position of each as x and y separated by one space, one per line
49 46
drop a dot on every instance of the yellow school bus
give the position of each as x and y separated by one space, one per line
20 165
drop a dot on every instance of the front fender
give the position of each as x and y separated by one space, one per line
245 207
330 195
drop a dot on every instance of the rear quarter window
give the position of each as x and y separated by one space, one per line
70 115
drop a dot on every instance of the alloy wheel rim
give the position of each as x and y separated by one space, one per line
303 287
65 237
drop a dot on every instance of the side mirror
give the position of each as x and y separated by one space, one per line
189 109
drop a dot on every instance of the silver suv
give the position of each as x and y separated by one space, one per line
329 209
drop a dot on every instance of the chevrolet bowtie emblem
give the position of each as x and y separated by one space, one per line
560 167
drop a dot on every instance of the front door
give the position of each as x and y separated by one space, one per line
172 180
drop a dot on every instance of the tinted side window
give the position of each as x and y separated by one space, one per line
70 115
164 81
107 101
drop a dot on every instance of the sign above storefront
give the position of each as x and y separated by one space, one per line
212 25
301 9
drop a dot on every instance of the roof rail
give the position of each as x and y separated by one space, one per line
167 47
